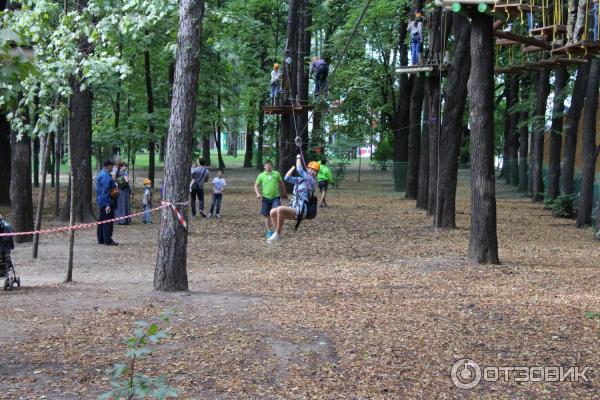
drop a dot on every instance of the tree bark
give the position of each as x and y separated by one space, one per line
42 193
261 136
249 146
414 138
508 102
151 128
20 187
206 149
524 140
537 172
483 242
450 140
560 81
590 151
36 162
572 128
513 144
80 143
170 273
432 85
423 187
5 160
57 163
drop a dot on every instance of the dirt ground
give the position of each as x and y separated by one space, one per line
368 301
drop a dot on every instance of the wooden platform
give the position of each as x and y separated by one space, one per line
286 109
526 40
549 31
550 63
507 42
426 68
583 48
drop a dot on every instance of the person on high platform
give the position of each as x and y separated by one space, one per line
415 31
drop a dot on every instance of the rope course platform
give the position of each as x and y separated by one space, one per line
526 40
426 68
549 31
507 42
583 48
287 109
550 63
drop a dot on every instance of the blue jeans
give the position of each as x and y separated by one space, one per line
595 14
216 203
529 20
275 89
147 214
414 51
197 193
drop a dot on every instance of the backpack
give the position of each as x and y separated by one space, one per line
311 206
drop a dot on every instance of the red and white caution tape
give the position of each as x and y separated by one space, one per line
177 214
92 224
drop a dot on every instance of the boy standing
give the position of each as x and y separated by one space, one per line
147 201
268 188
324 178
218 187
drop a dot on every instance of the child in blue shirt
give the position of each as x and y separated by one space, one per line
218 187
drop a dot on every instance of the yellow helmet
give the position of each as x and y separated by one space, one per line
314 165
147 181
275 65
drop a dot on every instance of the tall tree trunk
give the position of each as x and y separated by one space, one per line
170 273
560 81
80 142
450 140
524 140
537 172
414 138
163 139
590 151
40 206
51 160
433 85
5 160
217 132
572 128
509 103
249 146
483 242
20 187
36 162
57 163
150 108
513 143
423 187
261 136
206 149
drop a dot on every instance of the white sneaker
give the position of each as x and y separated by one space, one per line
273 238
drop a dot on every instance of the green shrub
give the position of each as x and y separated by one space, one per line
561 207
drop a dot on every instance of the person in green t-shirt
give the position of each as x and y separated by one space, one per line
269 188
324 178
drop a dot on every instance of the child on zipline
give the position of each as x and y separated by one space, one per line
304 188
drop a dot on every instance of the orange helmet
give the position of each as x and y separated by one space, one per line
275 65
147 181
314 165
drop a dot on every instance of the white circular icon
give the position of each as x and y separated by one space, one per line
465 374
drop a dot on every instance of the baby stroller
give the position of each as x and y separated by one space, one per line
7 270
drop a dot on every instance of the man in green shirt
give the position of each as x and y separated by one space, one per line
269 188
324 178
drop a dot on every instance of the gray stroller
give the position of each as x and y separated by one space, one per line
7 270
